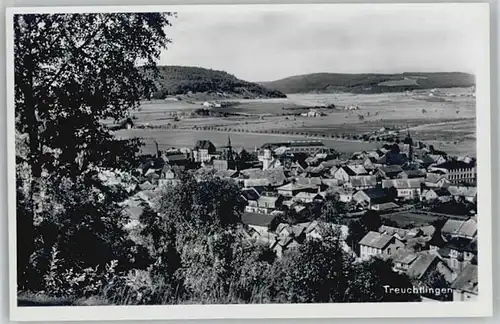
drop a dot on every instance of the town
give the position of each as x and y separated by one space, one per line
422 201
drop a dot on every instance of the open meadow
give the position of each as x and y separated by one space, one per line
448 123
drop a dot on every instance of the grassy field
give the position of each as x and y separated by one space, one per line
448 125
406 218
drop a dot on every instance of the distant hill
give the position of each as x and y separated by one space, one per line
205 84
370 83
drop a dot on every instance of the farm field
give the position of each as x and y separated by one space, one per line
448 125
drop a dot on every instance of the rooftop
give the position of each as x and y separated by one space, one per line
459 227
454 165
402 183
376 240
467 280
257 219
420 266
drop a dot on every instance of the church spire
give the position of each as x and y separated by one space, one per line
229 148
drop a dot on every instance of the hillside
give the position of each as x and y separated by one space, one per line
370 83
208 84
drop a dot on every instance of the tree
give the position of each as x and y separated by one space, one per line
371 220
372 279
330 211
315 272
357 231
435 279
71 72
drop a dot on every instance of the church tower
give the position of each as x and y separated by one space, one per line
229 149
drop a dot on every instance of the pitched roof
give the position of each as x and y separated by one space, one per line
404 256
454 165
376 240
363 181
295 186
420 266
257 219
374 193
275 176
225 173
204 144
250 194
390 230
256 182
331 182
459 227
357 169
309 180
463 191
467 280
391 169
462 244
307 195
347 170
434 177
263 200
412 174
402 183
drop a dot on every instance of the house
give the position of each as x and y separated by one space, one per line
439 194
345 172
427 262
175 158
345 194
370 196
411 174
168 178
362 182
463 193
250 195
457 171
307 197
406 188
458 252
292 189
402 259
433 159
388 171
257 221
384 206
466 229
263 178
281 244
309 181
376 244
265 204
436 180
203 151
465 286
330 182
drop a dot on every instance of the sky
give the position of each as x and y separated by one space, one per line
265 43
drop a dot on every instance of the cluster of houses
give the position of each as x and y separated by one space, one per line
421 251
290 177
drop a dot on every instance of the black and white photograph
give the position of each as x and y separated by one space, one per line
284 161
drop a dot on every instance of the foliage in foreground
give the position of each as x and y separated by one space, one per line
196 254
